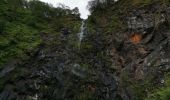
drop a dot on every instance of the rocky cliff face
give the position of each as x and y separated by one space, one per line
145 51
138 48
124 55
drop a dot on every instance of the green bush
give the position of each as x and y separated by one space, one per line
22 22
2 26
161 93
18 40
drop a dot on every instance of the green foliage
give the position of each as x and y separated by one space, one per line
86 95
147 90
21 23
2 26
161 93
148 1
141 1
94 5
18 40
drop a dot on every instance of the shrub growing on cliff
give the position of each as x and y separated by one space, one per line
22 21
2 26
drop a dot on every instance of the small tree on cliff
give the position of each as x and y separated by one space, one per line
75 11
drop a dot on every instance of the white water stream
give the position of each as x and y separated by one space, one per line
81 33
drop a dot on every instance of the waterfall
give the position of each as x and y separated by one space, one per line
81 33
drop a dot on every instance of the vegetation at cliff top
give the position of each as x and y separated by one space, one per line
21 23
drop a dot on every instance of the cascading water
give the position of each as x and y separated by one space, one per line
81 33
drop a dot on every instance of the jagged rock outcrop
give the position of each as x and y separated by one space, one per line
145 52
138 48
